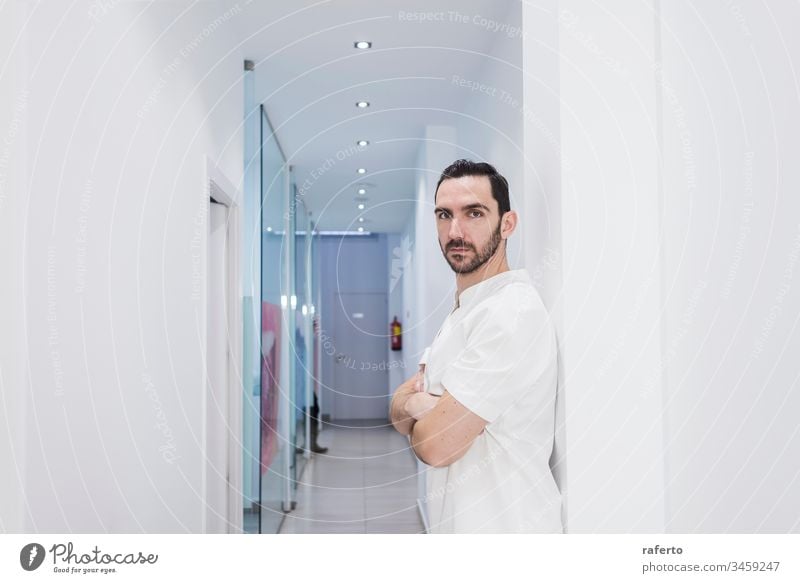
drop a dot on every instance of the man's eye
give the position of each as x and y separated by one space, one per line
442 215
475 214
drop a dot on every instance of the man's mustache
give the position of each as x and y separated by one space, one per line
458 243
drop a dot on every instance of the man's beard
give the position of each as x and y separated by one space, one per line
480 257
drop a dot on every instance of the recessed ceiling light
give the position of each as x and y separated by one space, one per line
362 170
360 219
362 104
362 143
361 229
269 229
362 191
361 206
362 44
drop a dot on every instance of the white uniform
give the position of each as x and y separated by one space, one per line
496 354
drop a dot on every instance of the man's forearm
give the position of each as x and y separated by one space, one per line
402 421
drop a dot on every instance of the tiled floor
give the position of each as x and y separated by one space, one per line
365 483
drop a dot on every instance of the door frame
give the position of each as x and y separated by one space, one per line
222 190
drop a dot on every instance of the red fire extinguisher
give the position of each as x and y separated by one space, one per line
397 334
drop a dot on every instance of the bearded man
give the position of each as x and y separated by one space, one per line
481 410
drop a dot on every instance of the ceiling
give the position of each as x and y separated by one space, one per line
309 76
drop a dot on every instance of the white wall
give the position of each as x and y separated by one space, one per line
14 102
669 182
540 113
731 126
125 102
541 215
591 189
610 298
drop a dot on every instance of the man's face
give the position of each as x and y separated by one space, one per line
468 222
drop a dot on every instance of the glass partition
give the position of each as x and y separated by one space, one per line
275 374
288 355
251 318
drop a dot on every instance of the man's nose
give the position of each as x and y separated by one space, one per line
455 230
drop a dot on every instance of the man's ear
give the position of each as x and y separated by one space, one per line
508 223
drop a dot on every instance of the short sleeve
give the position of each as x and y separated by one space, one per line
510 347
424 358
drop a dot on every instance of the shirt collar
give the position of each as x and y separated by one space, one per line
487 287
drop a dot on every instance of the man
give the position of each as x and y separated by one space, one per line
481 411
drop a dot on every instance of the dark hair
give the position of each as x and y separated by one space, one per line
499 184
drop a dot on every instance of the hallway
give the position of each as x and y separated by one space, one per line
221 219
365 483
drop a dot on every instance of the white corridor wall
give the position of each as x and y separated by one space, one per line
731 134
14 101
124 103
676 291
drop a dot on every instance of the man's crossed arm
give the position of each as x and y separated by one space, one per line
441 428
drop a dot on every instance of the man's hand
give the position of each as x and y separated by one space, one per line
401 420
420 404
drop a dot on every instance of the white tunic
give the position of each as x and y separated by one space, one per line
496 354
